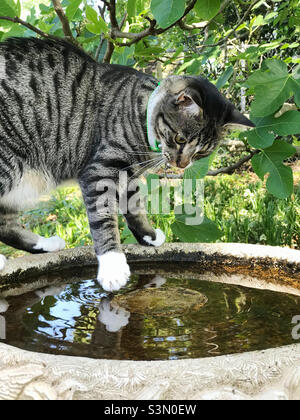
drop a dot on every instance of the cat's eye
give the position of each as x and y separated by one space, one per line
179 139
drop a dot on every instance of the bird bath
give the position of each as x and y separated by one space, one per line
200 321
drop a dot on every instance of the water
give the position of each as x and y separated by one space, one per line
77 318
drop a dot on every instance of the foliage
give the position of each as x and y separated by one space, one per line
249 49
241 208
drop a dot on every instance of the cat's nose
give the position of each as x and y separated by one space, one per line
182 163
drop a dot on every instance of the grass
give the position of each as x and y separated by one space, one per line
240 205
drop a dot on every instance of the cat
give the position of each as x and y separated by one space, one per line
64 116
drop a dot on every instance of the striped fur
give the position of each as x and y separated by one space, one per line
63 116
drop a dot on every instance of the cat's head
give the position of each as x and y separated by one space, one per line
189 116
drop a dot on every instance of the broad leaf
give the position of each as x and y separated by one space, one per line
91 14
271 87
72 8
97 27
14 31
206 232
167 12
263 135
207 9
270 161
200 168
7 8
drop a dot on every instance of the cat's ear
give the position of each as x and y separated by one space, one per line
236 120
187 102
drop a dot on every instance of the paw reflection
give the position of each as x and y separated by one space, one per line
157 281
113 316
50 291
3 308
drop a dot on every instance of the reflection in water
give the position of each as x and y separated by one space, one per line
78 319
3 308
112 316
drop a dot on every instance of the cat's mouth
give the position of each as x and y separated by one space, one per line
181 163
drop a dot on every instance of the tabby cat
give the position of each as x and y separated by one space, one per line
64 116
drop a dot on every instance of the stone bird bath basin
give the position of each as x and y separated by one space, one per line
273 373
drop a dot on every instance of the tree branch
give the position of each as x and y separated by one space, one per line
232 32
231 169
29 26
227 170
109 52
202 25
101 43
123 21
111 6
151 30
64 21
135 37
188 9
113 15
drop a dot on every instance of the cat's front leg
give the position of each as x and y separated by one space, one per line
114 272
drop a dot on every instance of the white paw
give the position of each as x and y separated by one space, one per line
160 238
2 262
114 271
50 244
113 316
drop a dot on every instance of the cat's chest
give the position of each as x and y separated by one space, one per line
27 190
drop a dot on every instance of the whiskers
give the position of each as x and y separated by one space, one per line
142 152
152 164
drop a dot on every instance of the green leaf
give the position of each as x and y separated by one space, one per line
271 87
207 9
205 232
15 31
263 135
259 138
18 8
123 54
200 168
98 27
91 14
270 161
223 79
45 10
7 8
258 21
43 26
131 8
72 8
167 12
185 65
